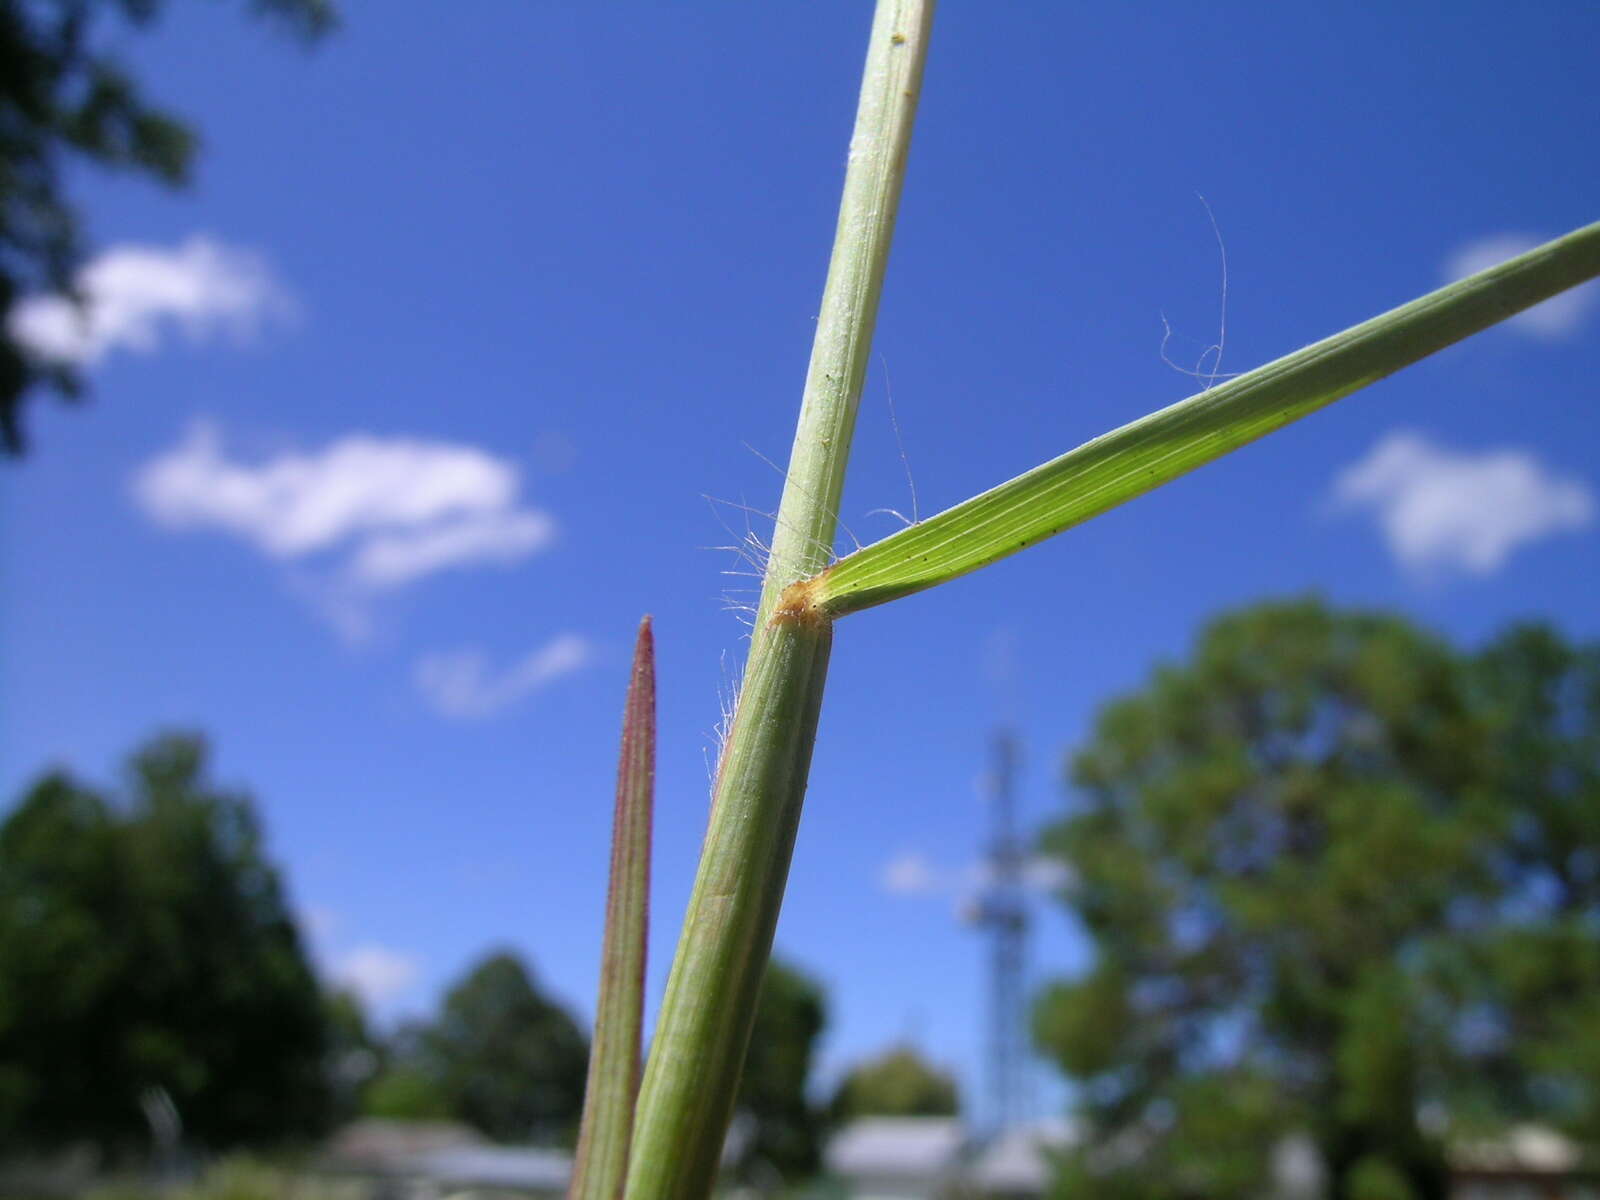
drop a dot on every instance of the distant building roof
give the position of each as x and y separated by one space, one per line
896 1147
447 1153
1298 1172
1522 1149
1018 1161
899 1158
378 1143
522 1168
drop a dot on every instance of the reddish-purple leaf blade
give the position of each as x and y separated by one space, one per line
601 1163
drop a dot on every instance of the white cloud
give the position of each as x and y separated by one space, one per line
387 560
378 974
1444 508
131 293
319 923
405 507
1045 875
460 683
910 874
1035 873
1556 317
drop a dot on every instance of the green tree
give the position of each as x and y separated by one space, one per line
1336 877
64 98
355 1055
507 1058
1534 983
145 947
900 1083
407 1093
784 1128
61 959
406 1085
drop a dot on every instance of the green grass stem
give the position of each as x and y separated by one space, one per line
692 1076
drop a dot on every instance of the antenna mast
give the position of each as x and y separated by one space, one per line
1003 912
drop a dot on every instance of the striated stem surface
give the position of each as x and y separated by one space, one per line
696 1058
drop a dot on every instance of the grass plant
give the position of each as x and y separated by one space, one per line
601 1160
689 1083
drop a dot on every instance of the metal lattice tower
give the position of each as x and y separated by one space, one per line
1002 910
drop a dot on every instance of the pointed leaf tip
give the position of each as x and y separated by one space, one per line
601 1162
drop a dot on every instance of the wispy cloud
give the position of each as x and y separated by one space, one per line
395 509
1555 318
389 559
319 923
911 873
1443 508
461 684
378 974
1042 874
131 294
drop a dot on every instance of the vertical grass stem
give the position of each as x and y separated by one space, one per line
698 1052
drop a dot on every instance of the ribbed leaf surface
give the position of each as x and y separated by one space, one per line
1132 460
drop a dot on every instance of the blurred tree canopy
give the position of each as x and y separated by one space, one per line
501 1055
64 97
785 1129
405 1092
897 1084
1342 881
355 1053
146 947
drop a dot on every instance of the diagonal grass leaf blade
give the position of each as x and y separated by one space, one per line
1141 456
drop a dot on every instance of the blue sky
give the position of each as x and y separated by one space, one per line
408 409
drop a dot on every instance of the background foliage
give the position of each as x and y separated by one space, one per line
65 98
1335 878
145 944
899 1083
785 1127
507 1059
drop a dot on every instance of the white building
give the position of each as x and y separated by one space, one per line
897 1158
934 1158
